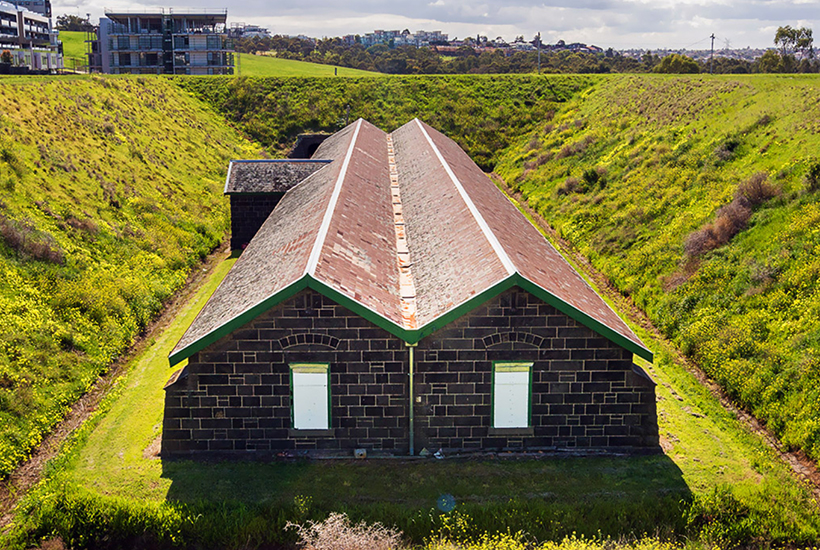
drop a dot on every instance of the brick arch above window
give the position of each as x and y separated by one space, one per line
308 338
527 338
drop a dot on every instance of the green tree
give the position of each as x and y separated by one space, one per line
677 64
770 62
792 41
68 22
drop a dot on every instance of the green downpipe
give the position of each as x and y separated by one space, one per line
411 347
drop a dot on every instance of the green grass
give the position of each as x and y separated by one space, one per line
265 65
672 151
74 48
660 142
111 193
484 113
716 479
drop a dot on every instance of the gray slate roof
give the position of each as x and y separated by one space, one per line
338 233
268 176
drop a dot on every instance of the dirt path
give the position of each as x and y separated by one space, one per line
29 473
804 468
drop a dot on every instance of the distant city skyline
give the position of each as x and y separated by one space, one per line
620 24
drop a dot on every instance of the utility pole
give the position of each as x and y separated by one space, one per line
712 55
538 38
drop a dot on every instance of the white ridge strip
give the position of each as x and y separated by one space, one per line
313 261
488 233
407 288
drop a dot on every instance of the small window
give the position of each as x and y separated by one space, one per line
310 396
512 395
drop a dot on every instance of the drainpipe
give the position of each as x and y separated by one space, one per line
411 347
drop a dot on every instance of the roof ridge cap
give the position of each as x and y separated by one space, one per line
313 259
482 223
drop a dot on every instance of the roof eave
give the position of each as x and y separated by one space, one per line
247 316
415 335
586 320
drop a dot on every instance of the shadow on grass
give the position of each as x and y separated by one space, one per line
547 497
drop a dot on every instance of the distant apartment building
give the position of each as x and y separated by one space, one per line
29 38
401 38
43 7
164 42
241 30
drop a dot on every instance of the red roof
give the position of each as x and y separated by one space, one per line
405 230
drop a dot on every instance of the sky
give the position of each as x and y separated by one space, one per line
619 24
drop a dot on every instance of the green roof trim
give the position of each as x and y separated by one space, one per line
246 317
584 319
254 193
412 336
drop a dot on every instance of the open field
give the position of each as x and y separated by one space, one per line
74 48
265 65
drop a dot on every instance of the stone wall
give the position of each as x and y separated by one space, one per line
235 395
585 392
248 213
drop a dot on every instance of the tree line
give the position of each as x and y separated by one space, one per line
795 53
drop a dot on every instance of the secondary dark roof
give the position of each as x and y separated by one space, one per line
405 230
268 176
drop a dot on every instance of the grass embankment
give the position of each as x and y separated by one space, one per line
644 176
268 65
111 193
485 114
717 483
74 49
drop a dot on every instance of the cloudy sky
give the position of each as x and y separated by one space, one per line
619 24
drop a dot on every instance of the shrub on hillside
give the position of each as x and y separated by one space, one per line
756 190
30 243
813 177
575 148
10 158
732 218
540 160
569 186
336 533
594 178
726 149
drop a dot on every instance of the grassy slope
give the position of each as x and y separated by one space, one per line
673 151
483 113
74 48
111 192
105 486
264 65
707 451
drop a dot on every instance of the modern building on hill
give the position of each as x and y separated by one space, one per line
43 7
164 42
399 38
395 301
241 30
29 38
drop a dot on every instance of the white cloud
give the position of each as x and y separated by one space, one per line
606 23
